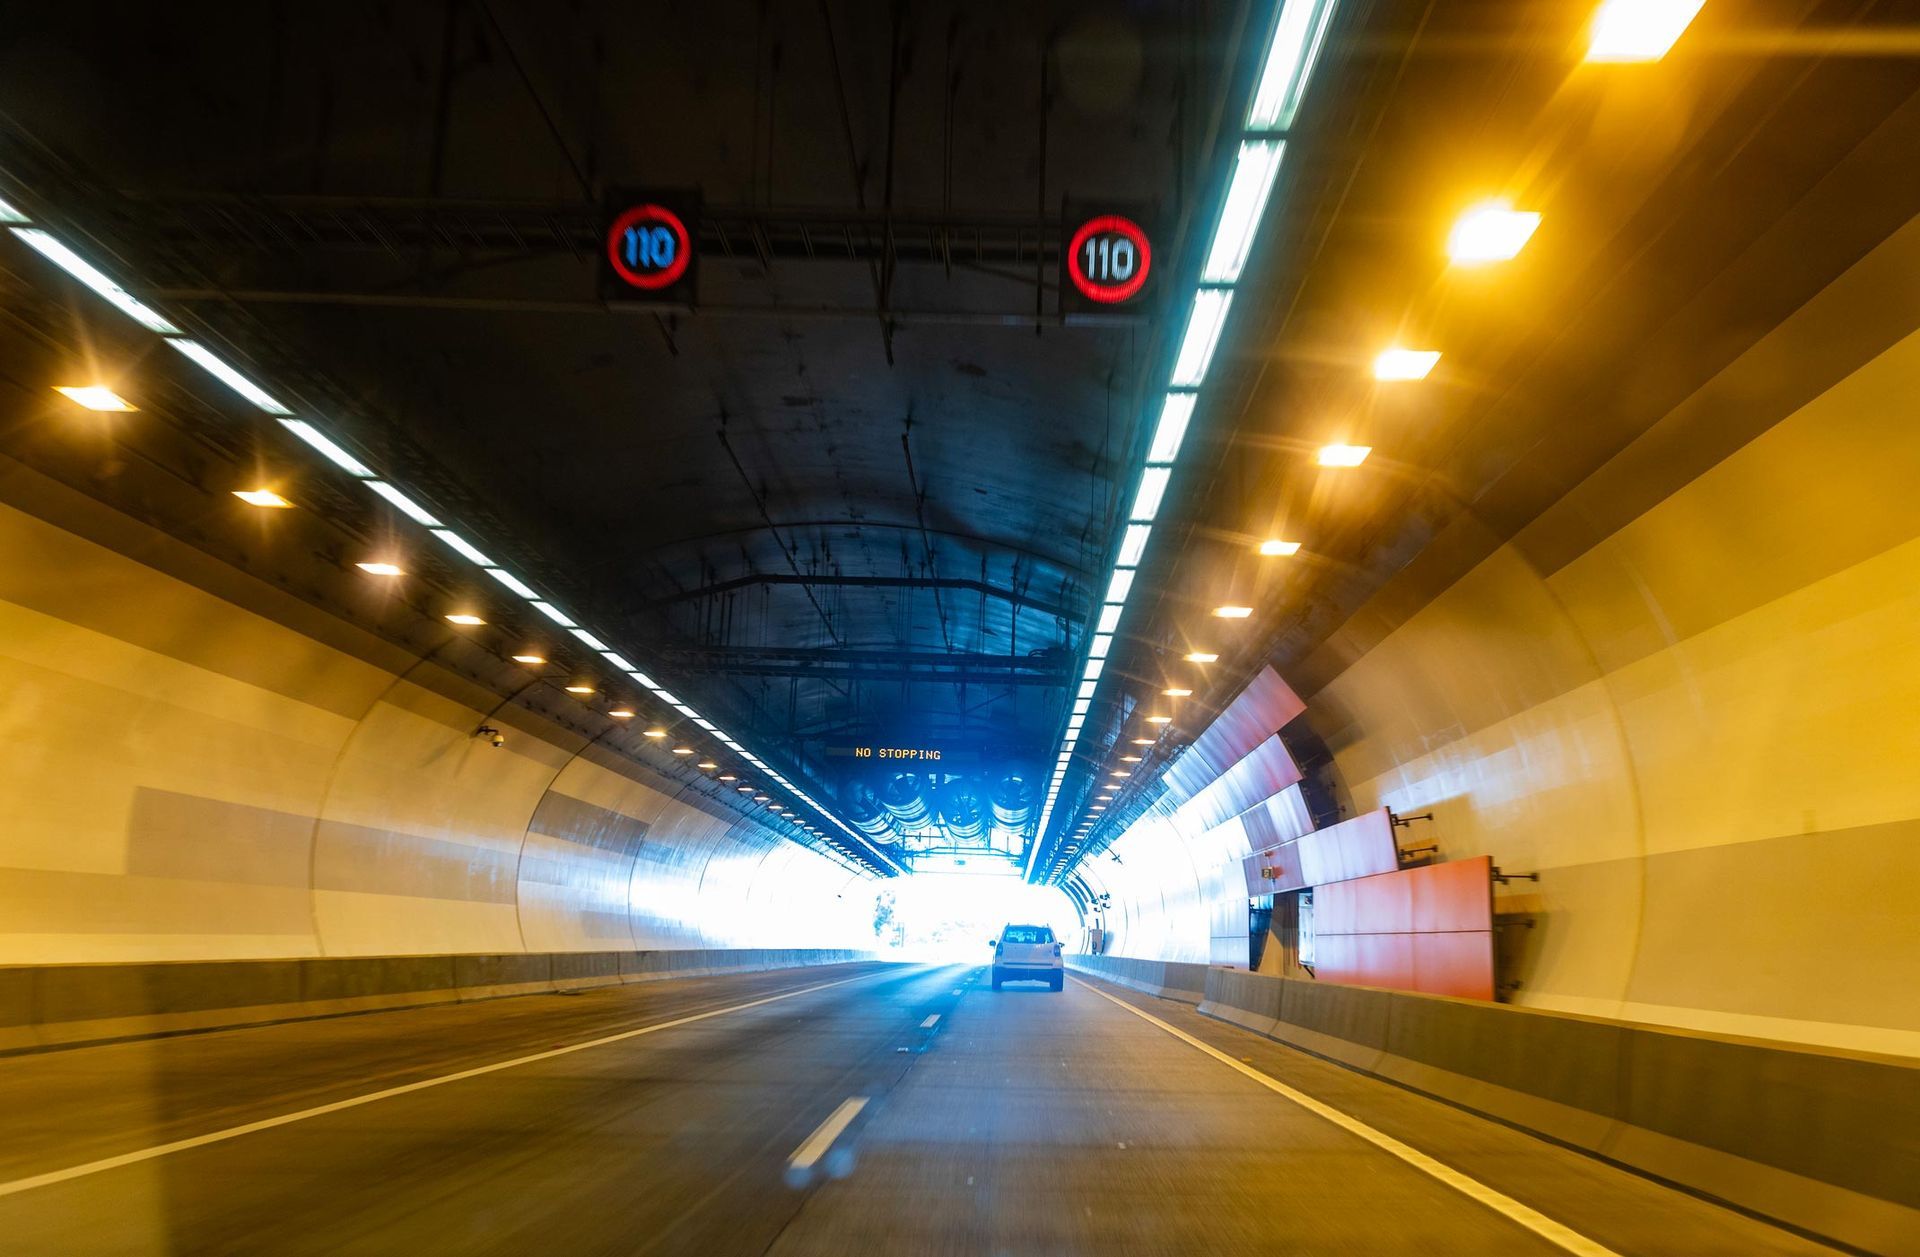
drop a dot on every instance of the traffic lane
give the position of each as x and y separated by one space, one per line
1614 1207
74 1105
676 1142
1058 1123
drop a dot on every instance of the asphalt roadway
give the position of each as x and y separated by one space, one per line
858 1110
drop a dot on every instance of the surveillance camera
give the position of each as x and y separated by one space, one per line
493 736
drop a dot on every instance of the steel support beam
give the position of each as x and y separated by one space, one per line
1017 599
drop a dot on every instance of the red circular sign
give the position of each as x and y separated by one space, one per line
648 247
1108 259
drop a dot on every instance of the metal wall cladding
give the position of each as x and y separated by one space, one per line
1358 847
1256 714
1425 929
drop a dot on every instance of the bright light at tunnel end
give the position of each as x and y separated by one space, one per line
1293 48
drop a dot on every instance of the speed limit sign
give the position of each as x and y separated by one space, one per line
1106 260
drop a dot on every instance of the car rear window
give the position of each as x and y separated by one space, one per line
1027 934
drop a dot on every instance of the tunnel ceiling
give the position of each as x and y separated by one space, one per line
865 494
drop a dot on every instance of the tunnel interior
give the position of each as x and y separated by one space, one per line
1388 524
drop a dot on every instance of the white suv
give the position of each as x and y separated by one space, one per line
1028 953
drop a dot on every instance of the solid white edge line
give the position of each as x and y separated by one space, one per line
1509 1208
814 1146
930 1022
234 1132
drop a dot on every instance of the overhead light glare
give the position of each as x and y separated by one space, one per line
728 777
1177 692
1142 741
406 505
1210 306
1232 612
266 498
1297 38
1279 548
621 713
95 397
1159 720
1405 364
466 618
1253 176
219 370
1639 30
1492 231
529 658
1130 759
330 451
1342 455
1201 656
84 271
707 764
381 569
655 732
683 750
579 687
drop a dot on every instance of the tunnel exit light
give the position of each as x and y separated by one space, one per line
1639 30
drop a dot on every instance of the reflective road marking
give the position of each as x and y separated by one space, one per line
1539 1223
815 1145
285 1119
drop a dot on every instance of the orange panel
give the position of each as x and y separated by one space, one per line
1454 964
1457 895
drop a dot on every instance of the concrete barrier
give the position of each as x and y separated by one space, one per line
1168 979
1821 1139
47 1006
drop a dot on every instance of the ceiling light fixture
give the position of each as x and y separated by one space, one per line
266 499
466 618
707 764
529 659
1231 612
621 713
95 397
1209 317
1639 30
1279 549
1159 720
1131 759
579 687
84 271
1492 231
1176 692
1254 170
385 569
1297 37
683 750
1342 455
1405 364
1201 656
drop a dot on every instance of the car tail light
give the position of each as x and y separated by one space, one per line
1056 949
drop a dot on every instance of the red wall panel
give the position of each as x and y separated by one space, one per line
1427 929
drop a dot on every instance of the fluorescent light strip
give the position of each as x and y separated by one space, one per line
1119 585
1168 434
1210 306
1102 642
324 444
1297 38
406 505
84 271
512 582
1253 175
1134 545
220 371
1109 619
554 613
643 678
8 214
590 639
464 547
618 661
1095 666
1146 501
1088 687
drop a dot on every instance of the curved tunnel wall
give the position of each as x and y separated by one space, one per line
185 779
1685 695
